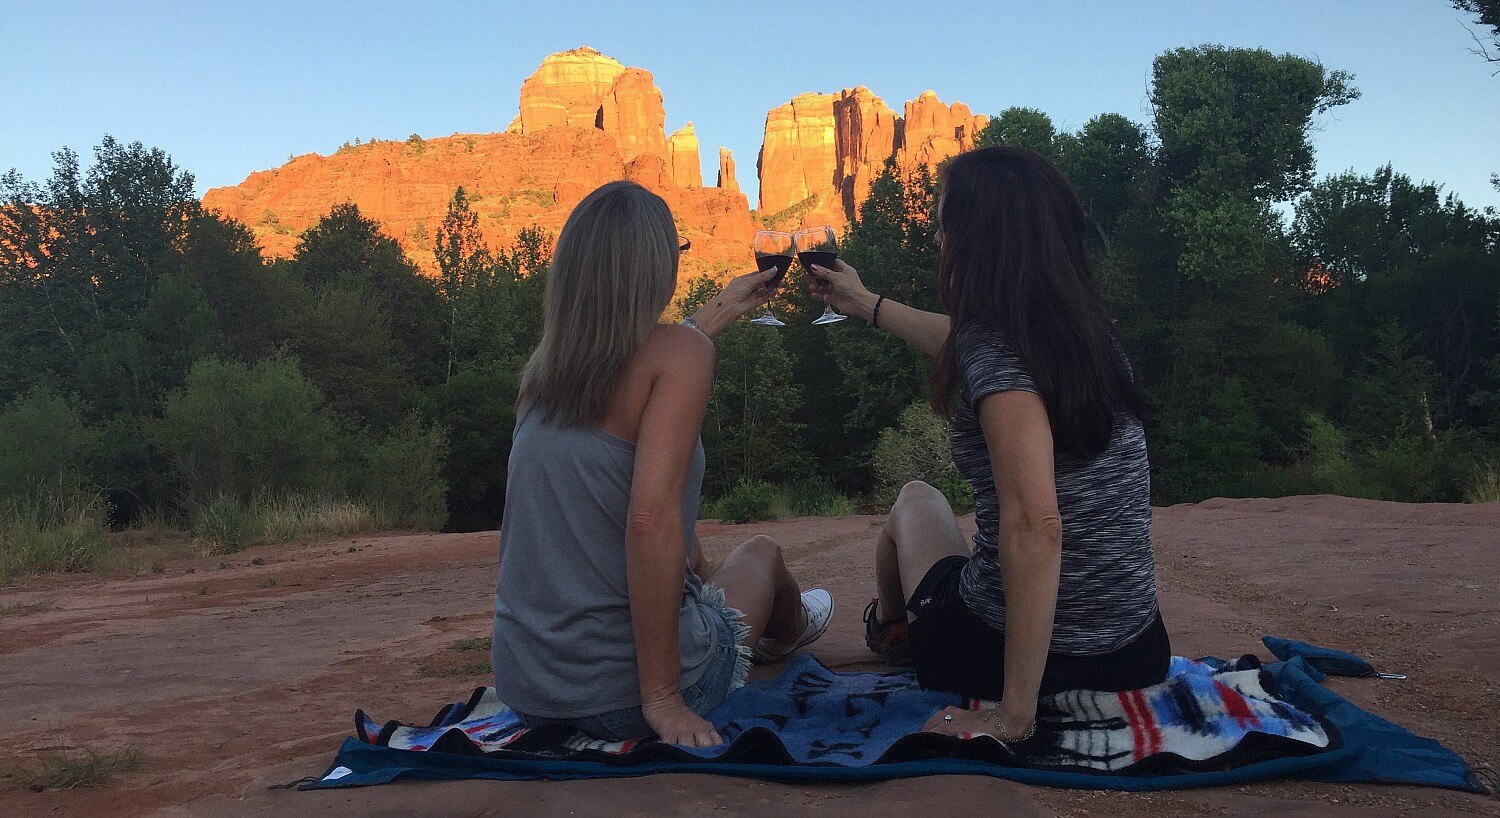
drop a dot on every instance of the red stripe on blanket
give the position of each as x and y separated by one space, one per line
1135 725
1148 723
1235 705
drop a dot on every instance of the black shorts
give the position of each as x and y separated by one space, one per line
955 651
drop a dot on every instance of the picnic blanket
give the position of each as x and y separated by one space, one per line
1210 722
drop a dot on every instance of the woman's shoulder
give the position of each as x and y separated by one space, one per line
676 350
982 332
678 341
983 341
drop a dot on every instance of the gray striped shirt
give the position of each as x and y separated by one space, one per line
1106 593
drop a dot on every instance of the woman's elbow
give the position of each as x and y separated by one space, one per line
648 524
1035 533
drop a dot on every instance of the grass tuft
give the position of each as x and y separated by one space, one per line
474 643
26 608
75 770
53 532
465 669
1484 485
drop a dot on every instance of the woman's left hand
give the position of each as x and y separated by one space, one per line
997 722
741 295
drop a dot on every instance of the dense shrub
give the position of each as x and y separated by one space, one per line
44 444
916 448
402 476
235 430
817 497
749 501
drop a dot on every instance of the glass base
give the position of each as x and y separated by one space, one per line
768 320
829 317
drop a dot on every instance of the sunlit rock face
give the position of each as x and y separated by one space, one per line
584 120
682 157
567 90
726 171
821 152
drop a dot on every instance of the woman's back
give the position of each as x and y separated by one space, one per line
1107 588
562 608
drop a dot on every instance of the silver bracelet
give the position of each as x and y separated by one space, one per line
689 322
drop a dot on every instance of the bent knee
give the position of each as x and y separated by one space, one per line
919 491
761 547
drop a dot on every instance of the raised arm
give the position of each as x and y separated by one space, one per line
654 546
843 288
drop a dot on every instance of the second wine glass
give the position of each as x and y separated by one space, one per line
817 245
772 249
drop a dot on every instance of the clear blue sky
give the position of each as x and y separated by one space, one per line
232 87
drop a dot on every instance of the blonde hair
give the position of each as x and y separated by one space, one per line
612 276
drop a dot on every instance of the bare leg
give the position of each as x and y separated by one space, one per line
755 580
920 530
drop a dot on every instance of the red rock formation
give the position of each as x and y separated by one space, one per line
567 90
866 131
726 171
934 131
632 114
682 157
798 163
585 120
822 151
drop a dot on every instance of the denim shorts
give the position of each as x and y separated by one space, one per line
727 670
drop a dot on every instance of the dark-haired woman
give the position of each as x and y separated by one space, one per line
1058 591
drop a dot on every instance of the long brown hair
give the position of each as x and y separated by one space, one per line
1012 258
612 276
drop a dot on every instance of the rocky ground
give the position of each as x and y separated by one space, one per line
227 674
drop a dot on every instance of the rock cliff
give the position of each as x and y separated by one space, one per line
586 119
821 151
726 171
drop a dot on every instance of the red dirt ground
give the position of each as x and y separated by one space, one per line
226 682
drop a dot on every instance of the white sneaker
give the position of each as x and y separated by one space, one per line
819 606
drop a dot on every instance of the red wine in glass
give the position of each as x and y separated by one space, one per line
822 258
772 249
782 263
816 245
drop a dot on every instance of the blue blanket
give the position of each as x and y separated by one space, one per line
1211 722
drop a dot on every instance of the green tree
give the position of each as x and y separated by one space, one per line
1239 119
1022 127
79 256
894 248
477 407
1389 249
44 445
401 475
1108 162
237 430
347 250
463 261
1487 14
749 432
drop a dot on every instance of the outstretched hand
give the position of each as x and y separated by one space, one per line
741 295
839 286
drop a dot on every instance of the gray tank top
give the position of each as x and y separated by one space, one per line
563 646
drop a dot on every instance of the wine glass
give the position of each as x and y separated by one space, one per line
816 245
772 249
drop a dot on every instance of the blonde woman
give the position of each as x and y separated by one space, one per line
607 619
